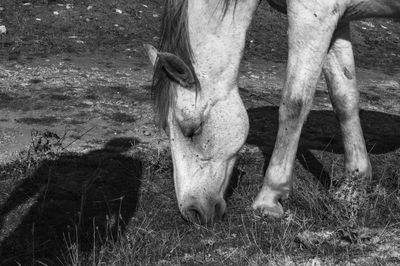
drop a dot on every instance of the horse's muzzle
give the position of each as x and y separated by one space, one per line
204 212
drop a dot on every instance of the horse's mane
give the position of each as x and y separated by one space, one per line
175 40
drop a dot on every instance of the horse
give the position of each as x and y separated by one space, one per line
196 96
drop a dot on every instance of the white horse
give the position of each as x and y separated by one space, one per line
196 93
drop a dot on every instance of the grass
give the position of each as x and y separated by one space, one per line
153 232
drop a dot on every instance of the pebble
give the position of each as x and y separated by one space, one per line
3 74
3 29
87 102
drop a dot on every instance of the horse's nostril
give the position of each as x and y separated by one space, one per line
219 209
194 215
205 214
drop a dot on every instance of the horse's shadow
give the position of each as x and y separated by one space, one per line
322 132
71 199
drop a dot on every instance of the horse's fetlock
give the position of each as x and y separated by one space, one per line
363 170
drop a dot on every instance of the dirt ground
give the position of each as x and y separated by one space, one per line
85 174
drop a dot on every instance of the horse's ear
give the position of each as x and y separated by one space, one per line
176 69
151 53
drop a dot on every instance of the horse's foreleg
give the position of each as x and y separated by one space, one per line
339 73
311 25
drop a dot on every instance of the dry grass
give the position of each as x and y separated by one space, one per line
153 233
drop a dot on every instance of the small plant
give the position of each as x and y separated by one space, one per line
44 145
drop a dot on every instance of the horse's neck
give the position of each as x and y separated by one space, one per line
217 39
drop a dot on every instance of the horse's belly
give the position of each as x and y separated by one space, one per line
359 9
279 5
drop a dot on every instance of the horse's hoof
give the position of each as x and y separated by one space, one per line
267 202
268 210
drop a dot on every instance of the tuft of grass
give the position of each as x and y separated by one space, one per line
314 228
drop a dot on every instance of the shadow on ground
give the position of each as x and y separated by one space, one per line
73 198
322 132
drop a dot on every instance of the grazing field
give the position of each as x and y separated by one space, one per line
86 176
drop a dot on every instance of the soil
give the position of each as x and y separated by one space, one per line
96 93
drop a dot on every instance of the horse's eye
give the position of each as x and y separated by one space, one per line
197 131
191 131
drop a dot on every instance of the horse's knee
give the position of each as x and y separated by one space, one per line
345 113
293 110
